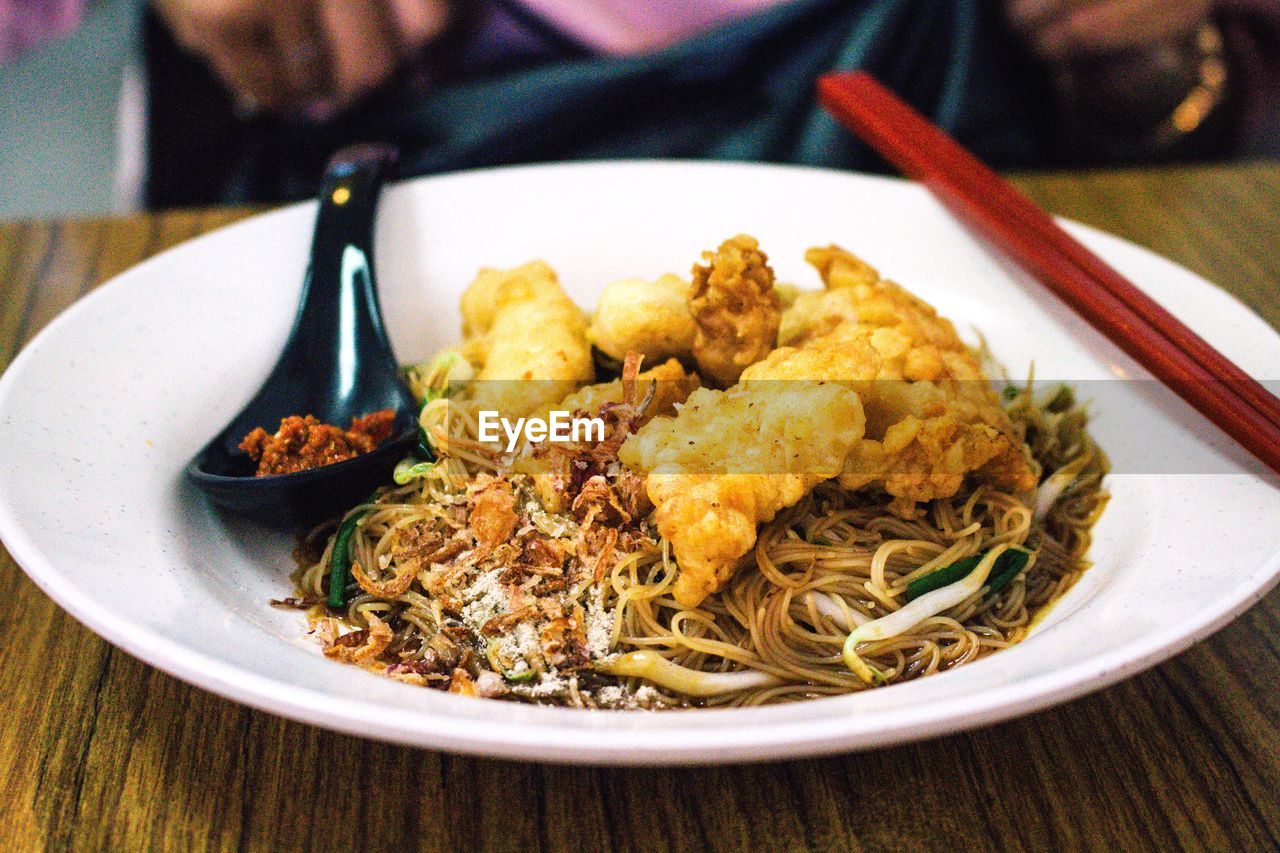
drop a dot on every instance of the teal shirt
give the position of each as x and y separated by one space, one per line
744 91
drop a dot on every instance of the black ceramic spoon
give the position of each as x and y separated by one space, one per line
336 365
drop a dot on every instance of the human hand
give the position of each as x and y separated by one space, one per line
1058 30
303 55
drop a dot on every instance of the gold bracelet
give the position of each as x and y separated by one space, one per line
1205 96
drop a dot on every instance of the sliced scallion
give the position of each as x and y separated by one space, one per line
409 469
1005 570
1008 567
942 577
928 605
340 558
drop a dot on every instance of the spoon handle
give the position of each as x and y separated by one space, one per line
339 321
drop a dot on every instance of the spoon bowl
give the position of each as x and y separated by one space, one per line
337 364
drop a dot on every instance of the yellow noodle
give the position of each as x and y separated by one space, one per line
834 556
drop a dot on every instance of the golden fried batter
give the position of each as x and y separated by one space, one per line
648 317
906 330
932 417
730 460
526 338
871 385
735 308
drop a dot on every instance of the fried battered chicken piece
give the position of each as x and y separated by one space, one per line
911 412
648 317
525 337
905 329
730 460
932 417
735 308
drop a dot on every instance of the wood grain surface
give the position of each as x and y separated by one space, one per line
99 751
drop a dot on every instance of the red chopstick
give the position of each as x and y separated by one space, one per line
956 159
1011 222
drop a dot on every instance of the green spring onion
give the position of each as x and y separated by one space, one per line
340 559
409 469
519 677
944 576
1062 400
914 612
1007 567
423 449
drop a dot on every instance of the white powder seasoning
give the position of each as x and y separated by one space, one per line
615 696
485 598
610 695
521 643
599 626
647 694
550 684
554 526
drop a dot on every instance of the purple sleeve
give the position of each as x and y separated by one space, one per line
27 23
1251 30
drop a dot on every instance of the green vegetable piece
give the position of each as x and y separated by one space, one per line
1064 399
340 559
423 449
519 677
1007 567
407 470
945 576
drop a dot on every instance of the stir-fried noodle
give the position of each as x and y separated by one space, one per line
578 629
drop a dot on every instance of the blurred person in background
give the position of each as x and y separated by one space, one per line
248 97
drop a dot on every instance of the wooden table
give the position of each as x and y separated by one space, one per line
99 751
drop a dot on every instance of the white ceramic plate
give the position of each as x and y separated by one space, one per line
100 412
